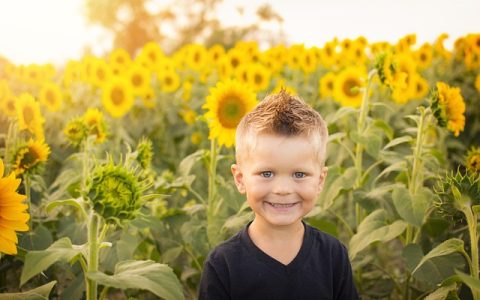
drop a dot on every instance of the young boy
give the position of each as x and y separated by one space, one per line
280 166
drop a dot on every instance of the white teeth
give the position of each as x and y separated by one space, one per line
278 205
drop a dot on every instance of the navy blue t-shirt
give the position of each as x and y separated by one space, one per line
238 269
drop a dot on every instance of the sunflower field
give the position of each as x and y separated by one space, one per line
115 171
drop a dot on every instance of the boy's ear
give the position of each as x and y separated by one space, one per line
321 182
238 177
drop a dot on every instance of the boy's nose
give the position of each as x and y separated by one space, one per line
282 186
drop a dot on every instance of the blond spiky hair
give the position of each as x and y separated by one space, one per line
282 114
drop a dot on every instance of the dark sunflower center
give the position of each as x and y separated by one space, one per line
28 114
118 96
235 62
349 85
168 80
50 97
258 78
330 85
196 57
101 74
29 159
230 112
137 80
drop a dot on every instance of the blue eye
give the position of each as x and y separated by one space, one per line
299 175
266 174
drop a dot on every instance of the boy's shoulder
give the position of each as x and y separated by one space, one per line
230 247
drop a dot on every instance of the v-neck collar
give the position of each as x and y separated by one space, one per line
271 262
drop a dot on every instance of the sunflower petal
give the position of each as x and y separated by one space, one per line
7 247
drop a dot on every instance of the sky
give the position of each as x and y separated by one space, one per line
43 31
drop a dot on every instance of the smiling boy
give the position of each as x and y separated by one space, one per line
280 167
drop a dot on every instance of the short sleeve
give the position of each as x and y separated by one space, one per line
211 286
344 285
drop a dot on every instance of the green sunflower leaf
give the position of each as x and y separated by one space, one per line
140 274
38 261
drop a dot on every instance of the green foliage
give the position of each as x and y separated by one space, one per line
148 275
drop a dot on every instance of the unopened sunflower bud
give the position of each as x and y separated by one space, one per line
115 192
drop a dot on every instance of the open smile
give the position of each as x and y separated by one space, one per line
281 205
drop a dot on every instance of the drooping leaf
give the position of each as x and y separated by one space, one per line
146 275
38 261
374 228
446 247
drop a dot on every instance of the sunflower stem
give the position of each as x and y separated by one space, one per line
417 174
472 230
362 119
27 185
212 231
92 255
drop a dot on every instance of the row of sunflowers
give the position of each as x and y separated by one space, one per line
117 167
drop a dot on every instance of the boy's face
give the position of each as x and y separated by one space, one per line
281 178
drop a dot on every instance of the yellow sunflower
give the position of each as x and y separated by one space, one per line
326 85
197 57
328 54
424 56
236 58
51 96
473 160
13 215
258 77
347 86
117 97
139 77
169 81
152 53
101 73
295 53
120 57
188 115
72 73
8 105
226 104
448 107
215 53
29 115
28 157
96 125
389 72
308 61
421 86
148 98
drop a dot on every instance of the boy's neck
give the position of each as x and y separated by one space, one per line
276 233
279 242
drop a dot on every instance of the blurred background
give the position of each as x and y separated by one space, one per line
54 31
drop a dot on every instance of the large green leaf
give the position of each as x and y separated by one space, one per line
445 248
434 271
41 292
139 274
375 228
37 261
411 209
